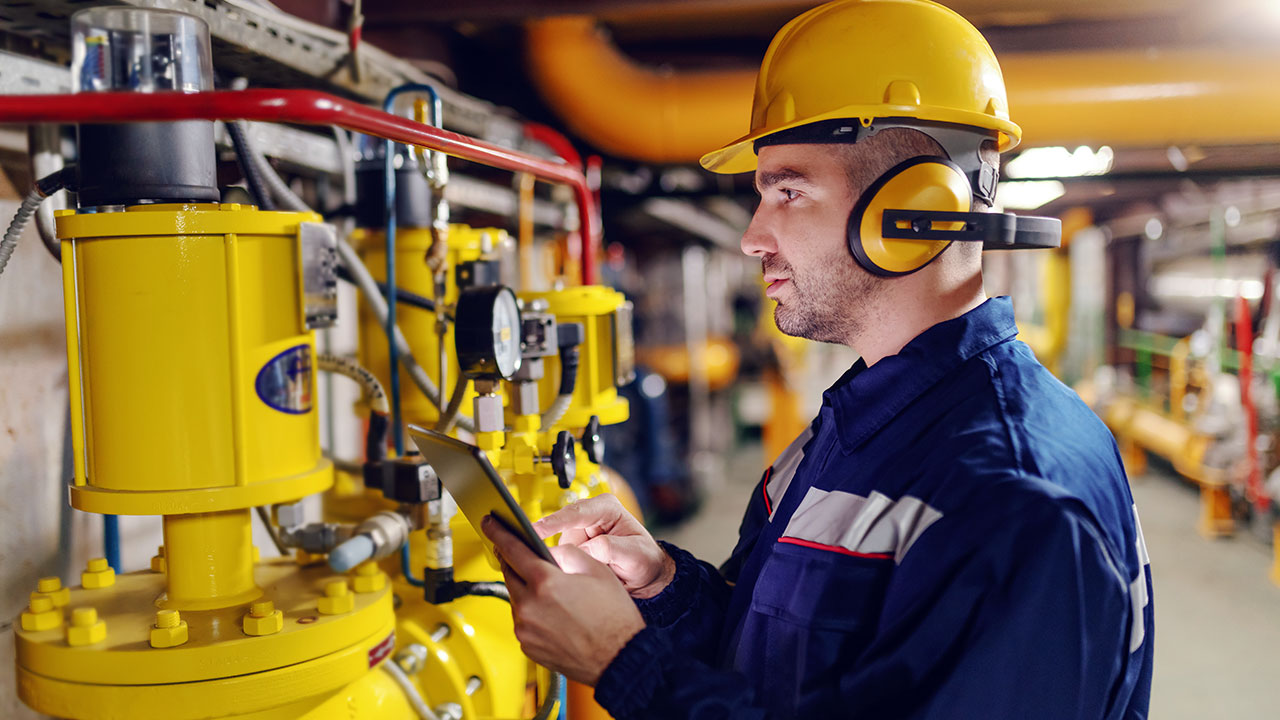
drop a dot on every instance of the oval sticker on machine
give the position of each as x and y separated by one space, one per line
284 383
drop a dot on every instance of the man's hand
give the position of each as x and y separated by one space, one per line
603 529
573 619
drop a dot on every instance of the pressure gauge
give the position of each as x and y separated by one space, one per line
487 332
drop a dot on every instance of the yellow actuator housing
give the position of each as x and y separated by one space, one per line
606 357
192 387
192 397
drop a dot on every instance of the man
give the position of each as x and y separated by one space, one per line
953 536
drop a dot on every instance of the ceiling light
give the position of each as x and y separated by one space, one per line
1028 195
1050 162
1231 215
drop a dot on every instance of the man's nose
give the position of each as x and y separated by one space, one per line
758 240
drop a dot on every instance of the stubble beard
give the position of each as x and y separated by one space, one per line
825 305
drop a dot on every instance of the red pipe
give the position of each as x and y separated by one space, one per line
303 107
1254 489
553 139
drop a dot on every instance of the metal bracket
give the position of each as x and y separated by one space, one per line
319 254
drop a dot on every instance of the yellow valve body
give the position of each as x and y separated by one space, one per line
595 393
418 325
190 362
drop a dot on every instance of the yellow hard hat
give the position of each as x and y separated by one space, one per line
874 59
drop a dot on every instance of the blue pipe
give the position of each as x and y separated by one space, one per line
111 540
564 701
406 569
389 190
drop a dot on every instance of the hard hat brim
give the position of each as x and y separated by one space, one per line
739 156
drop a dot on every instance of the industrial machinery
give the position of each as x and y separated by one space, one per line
192 359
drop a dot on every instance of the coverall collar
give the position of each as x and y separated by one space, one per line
865 399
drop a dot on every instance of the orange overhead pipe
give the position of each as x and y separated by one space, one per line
1116 97
627 109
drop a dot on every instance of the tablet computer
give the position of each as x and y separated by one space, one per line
465 471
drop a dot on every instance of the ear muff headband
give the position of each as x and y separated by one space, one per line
920 183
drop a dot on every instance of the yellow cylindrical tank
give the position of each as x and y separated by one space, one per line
606 352
191 364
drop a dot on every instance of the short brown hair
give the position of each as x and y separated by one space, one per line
871 157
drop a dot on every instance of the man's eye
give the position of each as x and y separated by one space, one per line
789 194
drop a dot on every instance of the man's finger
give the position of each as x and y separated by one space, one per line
573 536
514 552
576 562
601 548
599 510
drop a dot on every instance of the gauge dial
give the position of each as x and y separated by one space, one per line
487 335
506 333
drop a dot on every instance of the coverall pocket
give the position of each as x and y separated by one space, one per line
821 589
813 612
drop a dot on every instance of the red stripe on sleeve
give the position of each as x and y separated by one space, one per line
764 488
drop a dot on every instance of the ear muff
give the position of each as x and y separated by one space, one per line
921 183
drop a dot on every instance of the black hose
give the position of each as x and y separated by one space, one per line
248 168
568 369
484 589
403 297
375 441
64 179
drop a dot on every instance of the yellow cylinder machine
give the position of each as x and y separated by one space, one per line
192 368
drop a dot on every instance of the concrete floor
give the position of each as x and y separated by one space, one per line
1217 612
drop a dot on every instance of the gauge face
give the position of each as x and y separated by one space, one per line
506 333
487 332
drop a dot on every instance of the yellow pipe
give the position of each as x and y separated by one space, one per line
1178 378
209 560
1117 97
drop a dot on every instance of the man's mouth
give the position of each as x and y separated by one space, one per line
774 284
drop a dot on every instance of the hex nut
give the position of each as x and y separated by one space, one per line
263 619
41 614
98 575
337 599
53 589
170 630
86 628
369 578
290 515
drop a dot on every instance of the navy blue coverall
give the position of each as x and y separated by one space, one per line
952 537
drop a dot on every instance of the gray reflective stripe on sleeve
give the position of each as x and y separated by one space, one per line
869 526
784 469
1139 594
